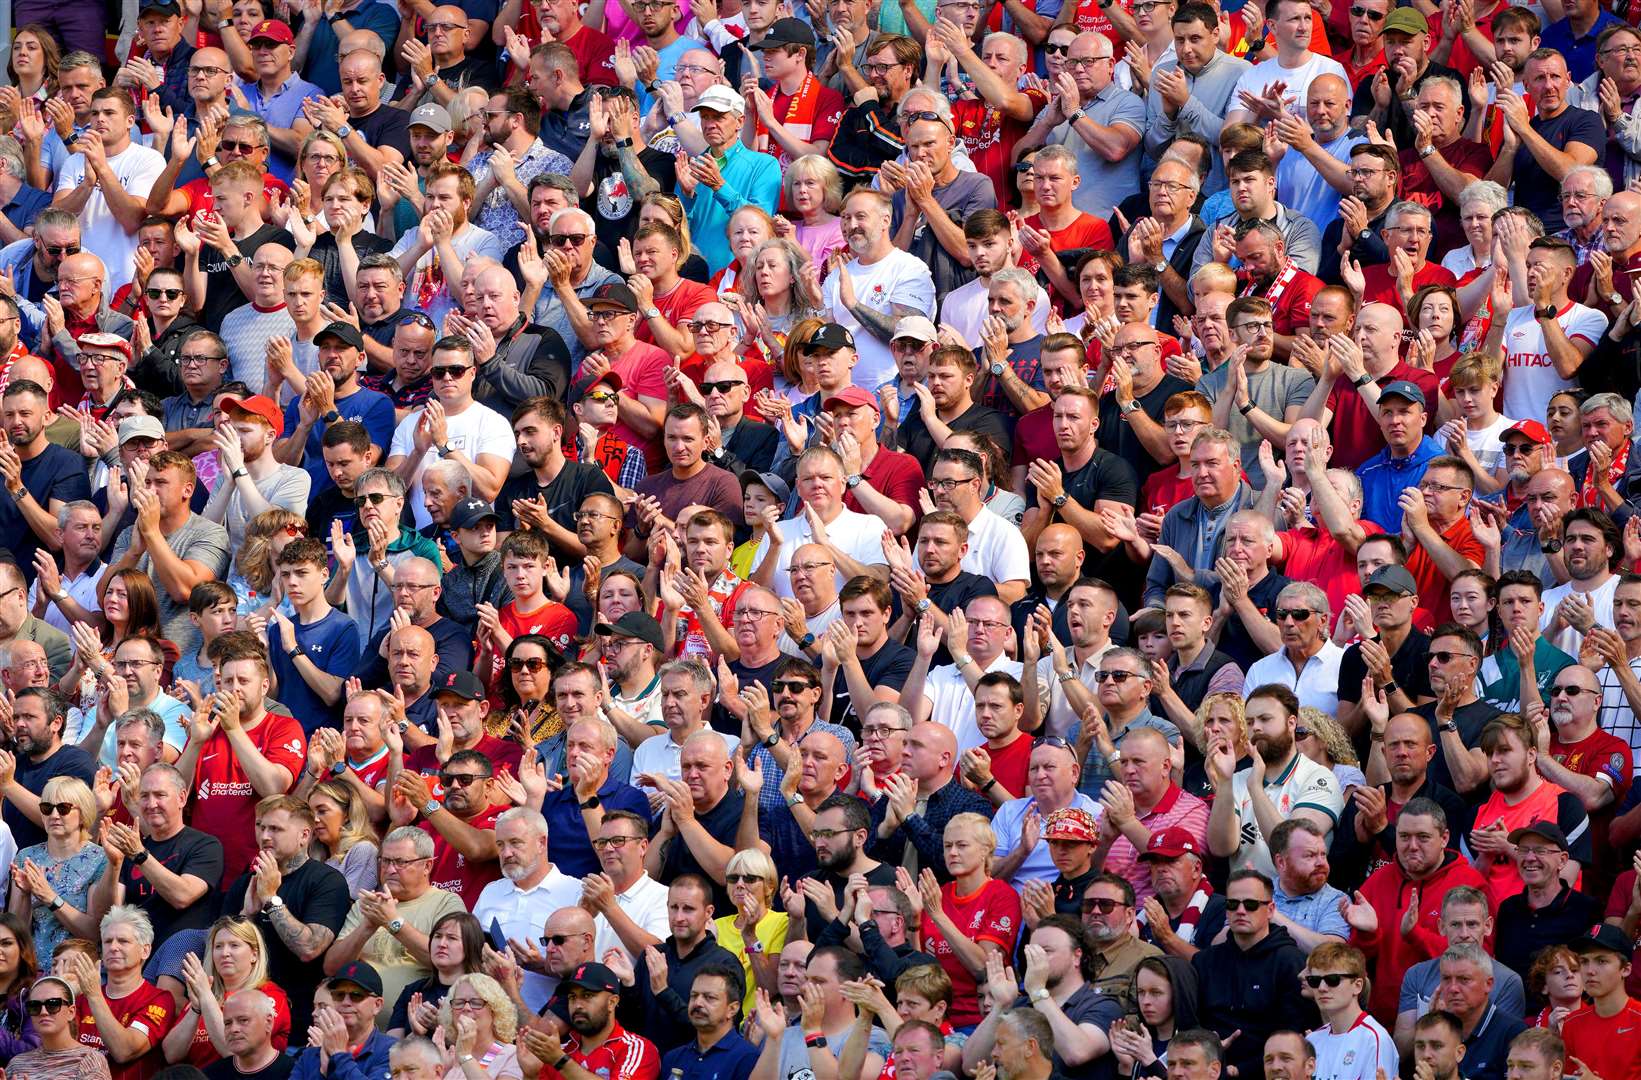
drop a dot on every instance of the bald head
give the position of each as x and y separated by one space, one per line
82 264
30 368
938 741
570 920
1148 738
412 637
1328 84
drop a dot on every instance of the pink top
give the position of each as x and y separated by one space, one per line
620 26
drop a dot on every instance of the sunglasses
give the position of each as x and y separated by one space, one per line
374 498
1104 906
531 664
53 1006
65 249
721 387
743 879
238 147
162 294
1301 732
1442 656
789 686
906 118
1118 677
353 996
61 809
1364 13
567 239
1330 980
450 371
294 531
601 398
461 780
1570 691
1057 50
1245 905
549 940
1297 614
1050 740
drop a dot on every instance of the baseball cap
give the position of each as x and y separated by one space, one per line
582 387
616 294
829 336
1171 843
853 397
361 975
1603 937
272 30
1394 578
163 7
140 427
772 481
634 624
464 684
1071 824
469 512
784 32
915 327
432 116
1530 428
256 405
1544 830
719 99
104 342
1402 388
346 333
1406 20
594 977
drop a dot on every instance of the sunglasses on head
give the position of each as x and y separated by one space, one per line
1050 740
52 1006
906 118
61 809
1245 905
1329 980
374 498
162 294
526 663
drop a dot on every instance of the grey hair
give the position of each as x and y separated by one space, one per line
389 479
1620 409
606 730
1313 597
452 473
252 123
1484 193
1353 484
1031 1024
938 104
1268 230
571 213
79 58
69 507
1022 51
1102 44
1467 953
169 771
148 718
418 1045
1405 208
419 841
1447 82
532 819
1023 283
134 917
1267 528
700 676
11 156
55 218
1599 179
1057 152
903 718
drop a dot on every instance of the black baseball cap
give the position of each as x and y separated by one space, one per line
470 511
163 7
594 977
1604 937
1544 830
830 336
616 294
464 684
345 332
361 975
634 624
784 32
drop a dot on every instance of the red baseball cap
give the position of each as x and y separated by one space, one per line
1071 824
271 30
1171 843
1530 428
852 396
257 406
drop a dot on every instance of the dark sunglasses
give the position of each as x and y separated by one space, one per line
450 371
1330 980
567 239
742 879
1301 732
1297 614
789 686
1245 905
456 779
906 118
1570 691
1359 12
162 294
1516 449
1442 656
526 663
548 940
354 996
721 387
61 809
47 1005
1104 906
420 319
238 146
375 498
1057 50
65 249
294 531
1118 677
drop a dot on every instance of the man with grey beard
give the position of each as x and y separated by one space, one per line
529 890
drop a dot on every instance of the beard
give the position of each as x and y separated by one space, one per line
592 1023
1274 749
840 858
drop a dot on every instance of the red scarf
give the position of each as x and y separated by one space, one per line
1278 287
802 103
1588 495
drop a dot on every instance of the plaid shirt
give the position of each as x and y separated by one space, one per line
775 822
413 396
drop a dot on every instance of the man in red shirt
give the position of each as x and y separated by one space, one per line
560 20
598 1048
1323 551
802 117
1604 1037
1575 754
877 480
993 119
666 302
1058 225
531 611
1360 23
127 1018
1269 274
1436 531
1451 44
1407 231
463 826
1441 163
238 752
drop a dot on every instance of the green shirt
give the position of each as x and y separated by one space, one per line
1500 675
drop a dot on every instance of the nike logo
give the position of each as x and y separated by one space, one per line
1623 1031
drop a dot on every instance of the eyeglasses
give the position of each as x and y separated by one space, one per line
401 864
1443 656
1571 691
744 879
791 686
1329 980
803 569
694 69
1118 677
50 1006
162 294
133 665
711 326
1133 347
208 72
615 842
374 498
1364 174
411 586
1297 614
1258 329
1245 905
881 731
652 5
1620 50
356 996
531 664
568 239
238 146
61 249
1578 196
1536 852
947 485
1429 486
1104 905
603 315
884 69
726 385
467 1004
1168 185
988 626
1182 425
753 614
827 834
1367 13
461 780
1410 230
1057 50
445 26
451 371
196 359
61 809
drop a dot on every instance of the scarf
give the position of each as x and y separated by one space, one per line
802 103
1188 919
1589 495
1278 287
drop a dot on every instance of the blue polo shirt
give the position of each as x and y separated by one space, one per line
1384 478
368 407
749 177
1579 52
568 845
280 109
730 1058
332 644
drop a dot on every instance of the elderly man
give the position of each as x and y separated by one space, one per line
1141 800
1052 777
347 1029
1466 919
687 689
247 1024
1186 913
568 238
79 309
729 176
743 443
529 890
1100 121
1189 527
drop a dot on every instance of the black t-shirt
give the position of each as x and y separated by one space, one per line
882 875
914 437
386 126
222 292
1233 639
53 473
948 597
720 822
324 251
315 892
574 482
613 209
762 674
32 776
888 667
277 1069
188 852
433 992
1410 666
1118 436
1471 719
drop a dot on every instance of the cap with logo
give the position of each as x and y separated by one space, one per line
594 977
470 511
582 387
345 332
1394 578
720 99
432 116
1402 388
1171 843
830 336
1604 937
1071 823
257 406
784 32
141 427
1532 429
271 30
463 684
634 624
615 295
361 975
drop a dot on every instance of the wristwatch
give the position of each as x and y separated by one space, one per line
794 799
1246 407
445 449
1060 500
1129 407
343 130
1548 312
433 80
1449 726
652 312
592 803
237 473
997 369
1065 676
431 807
853 481
923 605
235 260
295 650
274 901
395 926
339 768
806 641
1615 298
1076 115
331 417
1160 266
1361 380
1426 151
56 903
561 1062
1365 234
59 596
623 144
1550 547
211 163
773 740
140 857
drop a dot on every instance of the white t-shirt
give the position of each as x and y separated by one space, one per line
1364 1052
898 278
1530 378
1303 784
101 233
1601 602
965 310
645 903
1486 443
859 536
952 702
997 550
475 430
1298 80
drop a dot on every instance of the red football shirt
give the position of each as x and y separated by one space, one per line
1085 231
678 305
624 1056
1009 764
148 1010
991 913
223 795
200 196
818 121
552 620
1609 1045
989 137
595 55
201 1052
454 872
1601 753
1433 584
1292 307
1379 285
1164 490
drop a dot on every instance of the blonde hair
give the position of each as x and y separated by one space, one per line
1213 277
801 302
673 207
978 827
1232 702
1329 734
356 824
815 167
753 861
503 1016
246 931
72 789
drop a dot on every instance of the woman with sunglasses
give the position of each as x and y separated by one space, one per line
18 965
343 835
162 324
236 958
1165 993
525 692
51 882
50 1006
479 1020
455 946
753 886
1320 738
253 578
973 899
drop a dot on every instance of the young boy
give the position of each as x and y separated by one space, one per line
1475 433
476 578
595 440
211 608
759 492
312 655
524 566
